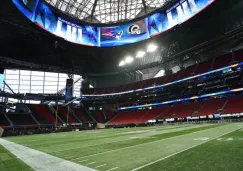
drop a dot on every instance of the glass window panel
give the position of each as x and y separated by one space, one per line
37 78
13 87
24 82
50 83
61 75
62 84
50 91
9 82
62 79
16 72
36 87
24 77
51 74
36 91
12 77
37 73
51 79
24 87
37 83
50 88
24 72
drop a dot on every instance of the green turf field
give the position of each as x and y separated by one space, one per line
170 148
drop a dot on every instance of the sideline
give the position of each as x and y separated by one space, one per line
40 161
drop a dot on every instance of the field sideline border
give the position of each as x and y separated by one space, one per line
138 168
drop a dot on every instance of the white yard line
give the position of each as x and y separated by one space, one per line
181 151
90 163
113 169
40 161
68 157
100 165
137 145
83 160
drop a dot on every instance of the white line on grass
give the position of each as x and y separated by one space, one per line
83 160
137 145
113 169
180 151
90 163
100 166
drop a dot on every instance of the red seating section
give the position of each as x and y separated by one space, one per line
234 105
151 114
210 107
127 117
45 112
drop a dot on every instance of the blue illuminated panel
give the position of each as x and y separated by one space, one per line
183 99
40 14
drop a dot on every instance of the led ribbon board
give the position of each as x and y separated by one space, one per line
184 99
43 16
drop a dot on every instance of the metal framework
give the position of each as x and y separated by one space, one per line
106 11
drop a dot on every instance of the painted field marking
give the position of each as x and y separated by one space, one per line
83 160
132 146
180 151
168 129
90 163
201 139
100 165
113 169
229 139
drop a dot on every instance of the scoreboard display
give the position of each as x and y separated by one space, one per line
43 16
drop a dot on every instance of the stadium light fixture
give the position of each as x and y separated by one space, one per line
122 63
140 54
152 48
129 59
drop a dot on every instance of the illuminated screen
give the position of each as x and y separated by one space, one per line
125 34
1 80
39 13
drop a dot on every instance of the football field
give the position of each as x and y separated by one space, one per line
213 147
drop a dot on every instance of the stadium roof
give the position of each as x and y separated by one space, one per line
107 11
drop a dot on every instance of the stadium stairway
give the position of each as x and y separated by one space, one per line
80 113
65 115
99 116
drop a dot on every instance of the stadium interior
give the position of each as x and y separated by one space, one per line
108 82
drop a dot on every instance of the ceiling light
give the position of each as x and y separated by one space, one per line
140 54
152 48
128 59
122 63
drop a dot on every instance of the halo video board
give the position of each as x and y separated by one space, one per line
43 16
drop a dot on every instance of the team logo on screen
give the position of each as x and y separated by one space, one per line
134 29
114 34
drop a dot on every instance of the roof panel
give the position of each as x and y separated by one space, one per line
106 11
